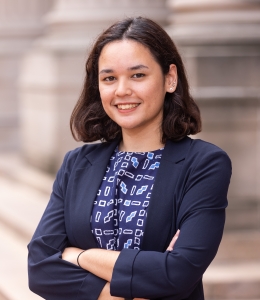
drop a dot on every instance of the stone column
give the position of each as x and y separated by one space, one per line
20 24
53 72
220 41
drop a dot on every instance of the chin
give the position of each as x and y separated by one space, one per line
128 125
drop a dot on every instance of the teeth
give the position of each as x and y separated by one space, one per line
127 106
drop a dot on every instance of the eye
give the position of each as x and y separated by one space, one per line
138 75
109 78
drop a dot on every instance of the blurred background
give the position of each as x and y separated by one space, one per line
43 48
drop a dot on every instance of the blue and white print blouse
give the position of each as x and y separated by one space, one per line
120 208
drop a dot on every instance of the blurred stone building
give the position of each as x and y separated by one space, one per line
21 22
43 48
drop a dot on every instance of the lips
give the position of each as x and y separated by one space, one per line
127 106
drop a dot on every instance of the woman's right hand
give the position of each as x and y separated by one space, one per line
105 294
173 241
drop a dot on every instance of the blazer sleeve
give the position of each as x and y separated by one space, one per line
202 199
49 276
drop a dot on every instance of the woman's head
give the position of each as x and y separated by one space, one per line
89 121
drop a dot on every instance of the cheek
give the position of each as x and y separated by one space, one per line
105 94
156 86
155 93
105 100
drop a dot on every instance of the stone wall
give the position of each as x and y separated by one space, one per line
220 41
20 23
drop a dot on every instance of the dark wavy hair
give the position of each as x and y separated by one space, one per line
181 116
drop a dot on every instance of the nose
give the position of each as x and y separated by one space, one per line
123 88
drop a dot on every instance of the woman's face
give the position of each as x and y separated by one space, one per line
132 86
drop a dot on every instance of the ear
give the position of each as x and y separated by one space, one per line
171 79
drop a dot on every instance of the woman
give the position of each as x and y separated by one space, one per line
143 187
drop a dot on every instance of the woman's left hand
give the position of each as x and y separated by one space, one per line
70 254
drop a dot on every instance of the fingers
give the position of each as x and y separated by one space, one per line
105 294
173 241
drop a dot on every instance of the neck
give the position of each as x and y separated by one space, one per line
141 142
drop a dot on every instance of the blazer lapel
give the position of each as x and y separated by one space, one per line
85 185
161 215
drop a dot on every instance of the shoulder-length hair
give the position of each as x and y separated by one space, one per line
181 116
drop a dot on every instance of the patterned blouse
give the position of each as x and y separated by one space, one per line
120 208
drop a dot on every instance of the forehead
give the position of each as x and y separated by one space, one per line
125 52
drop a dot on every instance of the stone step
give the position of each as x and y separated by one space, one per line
3 297
13 262
20 210
21 207
12 166
243 214
233 280
235 272
239 245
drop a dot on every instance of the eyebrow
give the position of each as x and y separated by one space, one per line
106 71
137 67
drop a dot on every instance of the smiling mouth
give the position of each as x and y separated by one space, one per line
127 106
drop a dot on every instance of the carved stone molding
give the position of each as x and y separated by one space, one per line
204 21
81 21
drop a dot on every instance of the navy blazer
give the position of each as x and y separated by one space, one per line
190 194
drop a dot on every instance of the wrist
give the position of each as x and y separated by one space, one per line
79 257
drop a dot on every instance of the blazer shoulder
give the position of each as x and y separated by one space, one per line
78 159
201 149
198 145
83 150
79 155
